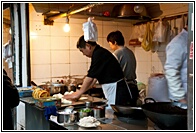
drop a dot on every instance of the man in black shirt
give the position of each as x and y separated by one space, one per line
10 100
106 69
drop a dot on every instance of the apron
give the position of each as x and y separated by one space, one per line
109 91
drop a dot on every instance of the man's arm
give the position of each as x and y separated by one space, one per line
87 83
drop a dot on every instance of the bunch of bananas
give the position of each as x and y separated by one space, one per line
39 93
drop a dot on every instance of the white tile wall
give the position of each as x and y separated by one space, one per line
78 68
59 70
59 57
108 28
73 42
57 30
59 42
40 42
40 57
39 28
76 30
40 71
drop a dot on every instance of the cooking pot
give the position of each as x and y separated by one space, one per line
54 88
72 87
166 115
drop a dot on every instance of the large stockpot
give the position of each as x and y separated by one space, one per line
166 115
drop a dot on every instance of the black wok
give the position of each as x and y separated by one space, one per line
128 111
166 115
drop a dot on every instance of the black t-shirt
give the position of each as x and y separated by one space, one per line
104 66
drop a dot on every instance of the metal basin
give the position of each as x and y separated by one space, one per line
127 11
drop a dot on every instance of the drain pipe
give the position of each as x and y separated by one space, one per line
49 20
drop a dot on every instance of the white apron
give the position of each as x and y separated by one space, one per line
109 91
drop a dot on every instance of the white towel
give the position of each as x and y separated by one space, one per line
7 50
9 61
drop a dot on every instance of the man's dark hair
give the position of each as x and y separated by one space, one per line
116 36
82 43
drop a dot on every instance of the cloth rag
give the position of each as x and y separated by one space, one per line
48 111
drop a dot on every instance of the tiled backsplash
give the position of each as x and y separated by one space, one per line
54 52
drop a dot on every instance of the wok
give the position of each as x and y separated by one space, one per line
166 115
128 111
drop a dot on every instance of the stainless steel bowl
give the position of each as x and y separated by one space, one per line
71 118
67 118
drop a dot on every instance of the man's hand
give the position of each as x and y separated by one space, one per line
73 97
182 101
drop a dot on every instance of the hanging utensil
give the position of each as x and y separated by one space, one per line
33 83
175 28
171 31
182 22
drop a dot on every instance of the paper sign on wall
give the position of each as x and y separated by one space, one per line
191 51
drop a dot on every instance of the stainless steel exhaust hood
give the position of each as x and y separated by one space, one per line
118 12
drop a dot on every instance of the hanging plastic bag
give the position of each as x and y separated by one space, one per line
134 41
158 88
135 32
90 30
161 29
155 44
141 31
147 41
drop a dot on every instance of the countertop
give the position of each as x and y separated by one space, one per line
112 123
115 123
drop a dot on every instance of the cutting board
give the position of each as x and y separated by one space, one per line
82 101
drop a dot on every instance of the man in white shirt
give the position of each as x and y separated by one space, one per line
176 67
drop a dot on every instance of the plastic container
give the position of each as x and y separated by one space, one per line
158 88
25 91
